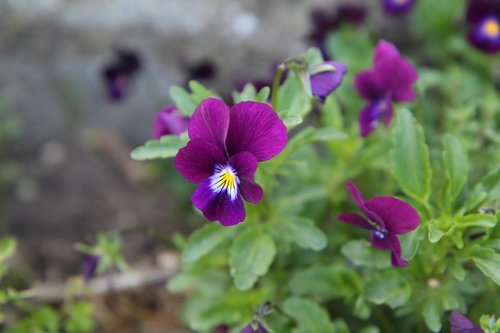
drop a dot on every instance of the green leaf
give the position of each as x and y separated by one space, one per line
432 312
456 166
7 247
489 263
304 233
310 317
476 220
204 240
199 91
80 318
410 157
263 95
410 242
166 147
435 234
457 270
361 253
251 255
182 100
388 288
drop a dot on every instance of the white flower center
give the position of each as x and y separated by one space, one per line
225 179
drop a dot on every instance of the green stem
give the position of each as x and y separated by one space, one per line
276 85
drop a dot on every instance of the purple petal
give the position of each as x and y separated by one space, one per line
250 329
324 83
398 6
485 35
380 239
218 206
357 196
477 10
396 258
196 161
373 114
90 264
369 86
461 324
256 128
355 219
210 121
399 217
169 121
245 165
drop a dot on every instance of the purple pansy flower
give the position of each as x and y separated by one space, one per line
397 6
222 155
326 77
90 264
460 324
483 17
169 121
324 20
249 329
390 80
386 217
117 74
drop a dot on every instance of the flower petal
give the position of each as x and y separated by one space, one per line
396 258
398 6
355 219
210 121
245 165
169 121
196 161
380 243
461 324
218 206
324 83
399 217
373 114
256 128
369 86
357 196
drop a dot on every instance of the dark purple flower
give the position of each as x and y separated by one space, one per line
169 121
117 74
483 17
221 329
249 329
90 264
460 324
324 20
223 153
386 217
390 80
202 70
326 77
397 6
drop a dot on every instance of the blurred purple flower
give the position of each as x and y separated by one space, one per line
202 70
483 17
221 329
326 77
90 264
223 153
169 121
394 7
323 21
390 80
386 217
118 73
250 329
460 324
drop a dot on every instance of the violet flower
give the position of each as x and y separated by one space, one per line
460 324
169 121
386 217
483 17
390 80
326 77
90 264
250 329
223 153
117 74
395 7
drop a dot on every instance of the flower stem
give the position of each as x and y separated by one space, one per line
276 85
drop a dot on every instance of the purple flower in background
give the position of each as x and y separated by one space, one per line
250 329
460 324
323 21
326 77
483 17
202 70
222 155
398 6
90 264
390 80
386 217
117 74
169 121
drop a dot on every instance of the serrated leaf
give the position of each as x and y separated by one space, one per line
310 317
410 242
432 312
199 92
361 253
456 165
489 263
166 147
304 233
387 288
410 157
252 253
183 101
204 240
263 95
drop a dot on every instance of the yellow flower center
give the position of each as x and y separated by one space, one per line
225 179
491 28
